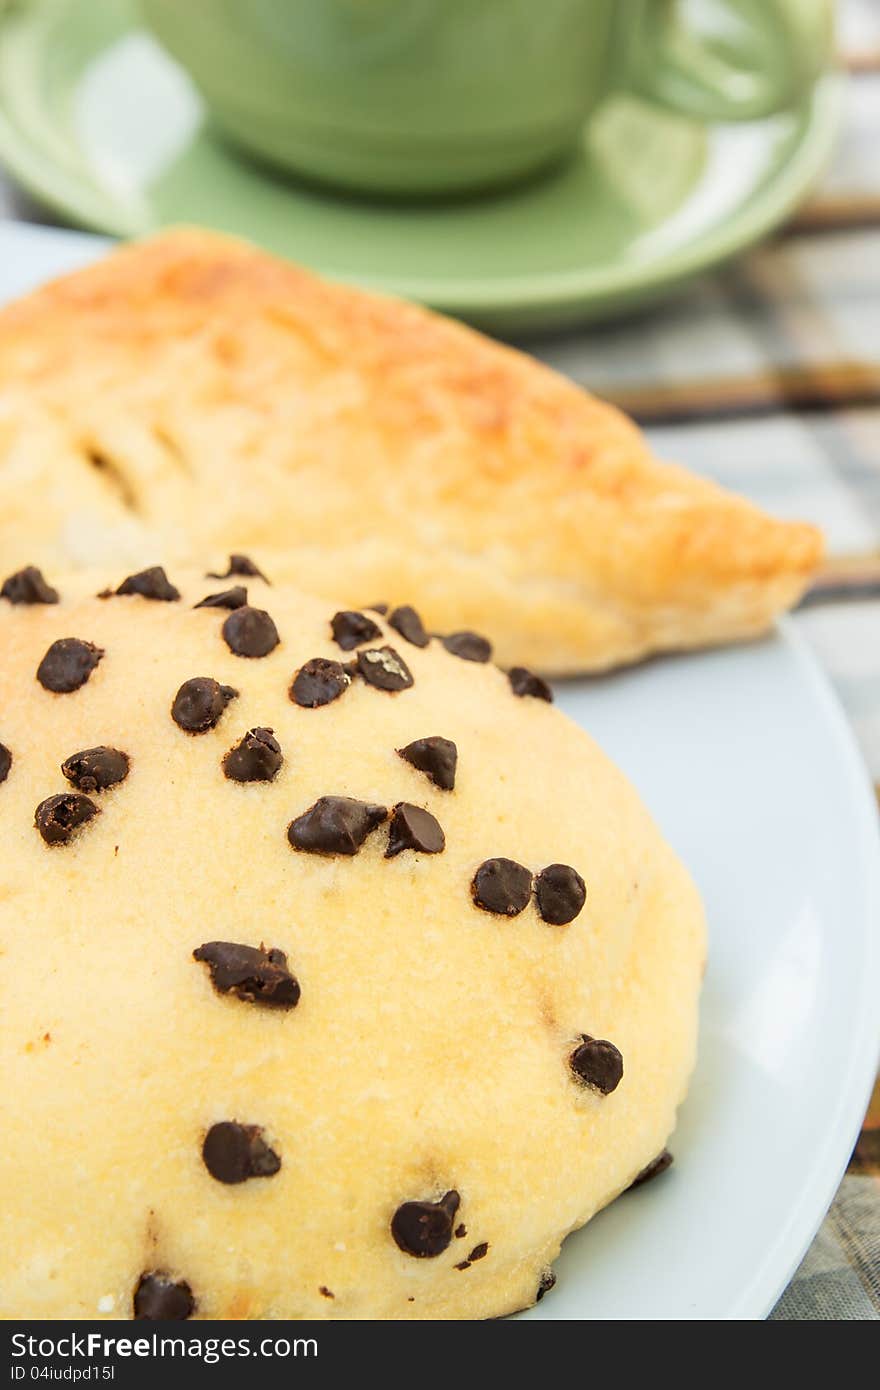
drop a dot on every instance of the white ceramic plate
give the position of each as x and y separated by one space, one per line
748 763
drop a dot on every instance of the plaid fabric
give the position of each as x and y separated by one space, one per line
784 349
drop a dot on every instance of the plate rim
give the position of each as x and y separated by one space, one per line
843 1124
532 301
815 1186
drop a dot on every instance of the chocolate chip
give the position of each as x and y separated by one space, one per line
254 975
233 1153
548 1282
460 1230
241 564
502 886
424 1229
28 586
159 1298
561 893
250 632
407 622
257 758
525 682
67 665
227 598
381 608
59 817
478 1253
199 704
319 682
383 668
653 1169
413 828
96 769
436 757
152 583
470 646
598 1064
350 629
335 825
5 762
325 1292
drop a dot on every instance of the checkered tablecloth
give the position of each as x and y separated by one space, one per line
782 349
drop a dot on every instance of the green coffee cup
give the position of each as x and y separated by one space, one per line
438 96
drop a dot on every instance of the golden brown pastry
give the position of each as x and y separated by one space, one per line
192 395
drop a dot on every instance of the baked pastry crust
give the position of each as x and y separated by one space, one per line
430 1048
193 395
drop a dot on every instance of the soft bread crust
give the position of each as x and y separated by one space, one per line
193 395
429 1049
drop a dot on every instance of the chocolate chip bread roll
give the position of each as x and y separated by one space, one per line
342 975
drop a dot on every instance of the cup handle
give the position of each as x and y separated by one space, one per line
744 58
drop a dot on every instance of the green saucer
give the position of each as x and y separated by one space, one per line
99 124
